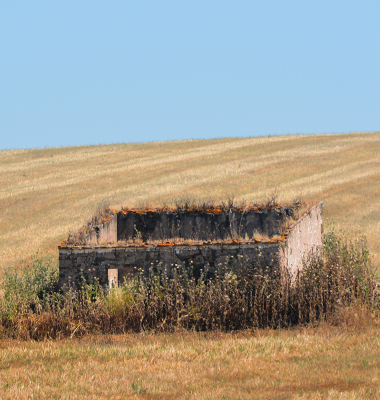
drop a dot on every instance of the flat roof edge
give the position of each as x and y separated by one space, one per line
151 248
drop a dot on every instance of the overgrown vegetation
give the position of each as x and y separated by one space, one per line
339 277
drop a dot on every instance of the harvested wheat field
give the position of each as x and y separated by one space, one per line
322 363
46 193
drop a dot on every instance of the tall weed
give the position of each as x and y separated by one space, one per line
238 298
30 287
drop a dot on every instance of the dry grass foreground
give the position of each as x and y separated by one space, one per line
320 363
46 193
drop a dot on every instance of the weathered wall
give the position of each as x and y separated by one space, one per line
115 262
200 225
104 233
305 236
91 263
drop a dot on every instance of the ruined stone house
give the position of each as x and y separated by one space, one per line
195 238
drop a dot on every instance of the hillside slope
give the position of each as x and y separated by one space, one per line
46 193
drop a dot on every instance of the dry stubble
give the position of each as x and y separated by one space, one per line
46 193
322 363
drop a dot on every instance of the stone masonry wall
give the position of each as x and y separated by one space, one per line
99 261
200 225
194 225
91 263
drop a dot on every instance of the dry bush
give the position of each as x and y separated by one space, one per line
239 298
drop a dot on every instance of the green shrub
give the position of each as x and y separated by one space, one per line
30 287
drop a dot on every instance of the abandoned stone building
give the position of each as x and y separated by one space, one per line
195 238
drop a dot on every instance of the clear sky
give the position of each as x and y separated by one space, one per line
90 72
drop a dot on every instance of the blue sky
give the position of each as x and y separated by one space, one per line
90 72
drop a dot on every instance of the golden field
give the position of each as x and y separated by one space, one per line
46 193
319 363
